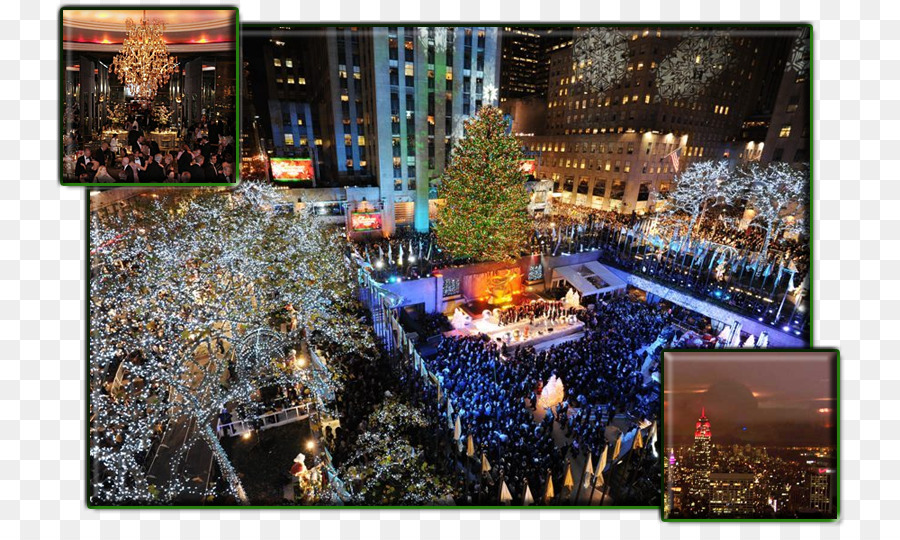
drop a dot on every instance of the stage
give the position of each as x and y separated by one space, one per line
540 335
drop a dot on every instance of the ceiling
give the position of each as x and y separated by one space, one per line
185 30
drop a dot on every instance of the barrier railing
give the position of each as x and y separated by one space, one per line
264 421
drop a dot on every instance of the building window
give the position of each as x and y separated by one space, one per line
290 80
398 184
643 192
361 140
599 188
288 63
289 139
793 103
278 62
785 131
301 80
617 193
411 183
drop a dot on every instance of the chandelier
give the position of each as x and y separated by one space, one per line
144 64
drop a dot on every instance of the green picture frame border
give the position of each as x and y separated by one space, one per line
237 94
781 351
270 24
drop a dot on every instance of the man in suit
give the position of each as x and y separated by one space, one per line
196 169
154 171
104 154
85 167
205 148
136 147
154 147
184 158
130 173
209 172
227 175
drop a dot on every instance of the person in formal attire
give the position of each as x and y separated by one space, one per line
154 170
85 166
105 155
169 168
184 158
154 147
130 172
209 172
114 144
227 174
196 169
137 145
103 175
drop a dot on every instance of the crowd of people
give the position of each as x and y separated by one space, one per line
207 155
495 395
720 263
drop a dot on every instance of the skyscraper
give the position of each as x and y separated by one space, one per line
620 101
701 464
380 105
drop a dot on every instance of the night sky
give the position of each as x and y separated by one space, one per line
760 398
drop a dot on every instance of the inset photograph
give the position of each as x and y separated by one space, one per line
750 434
148 96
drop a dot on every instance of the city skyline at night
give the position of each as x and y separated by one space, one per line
773 469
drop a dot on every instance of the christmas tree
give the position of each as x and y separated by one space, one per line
486 213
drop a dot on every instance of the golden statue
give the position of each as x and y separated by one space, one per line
501 290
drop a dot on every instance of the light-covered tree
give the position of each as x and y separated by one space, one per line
777 194
701 186
387 468
197 301
486 213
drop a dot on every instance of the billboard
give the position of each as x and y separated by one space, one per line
529 166
365 221
292 169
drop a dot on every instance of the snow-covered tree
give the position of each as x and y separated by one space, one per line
777 194
197 301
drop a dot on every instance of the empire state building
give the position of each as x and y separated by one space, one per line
701 455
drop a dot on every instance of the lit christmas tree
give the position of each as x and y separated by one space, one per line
485 216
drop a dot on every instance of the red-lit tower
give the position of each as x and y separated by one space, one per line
701 464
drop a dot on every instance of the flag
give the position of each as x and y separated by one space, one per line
548 491
638 440
601 464
617 448
527 499
588 471
568 481
457 429
673 157
485 465
505 495
470 446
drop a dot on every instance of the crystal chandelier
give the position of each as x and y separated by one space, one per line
144 64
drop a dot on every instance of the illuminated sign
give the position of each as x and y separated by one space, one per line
292 169
365 221
529 166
